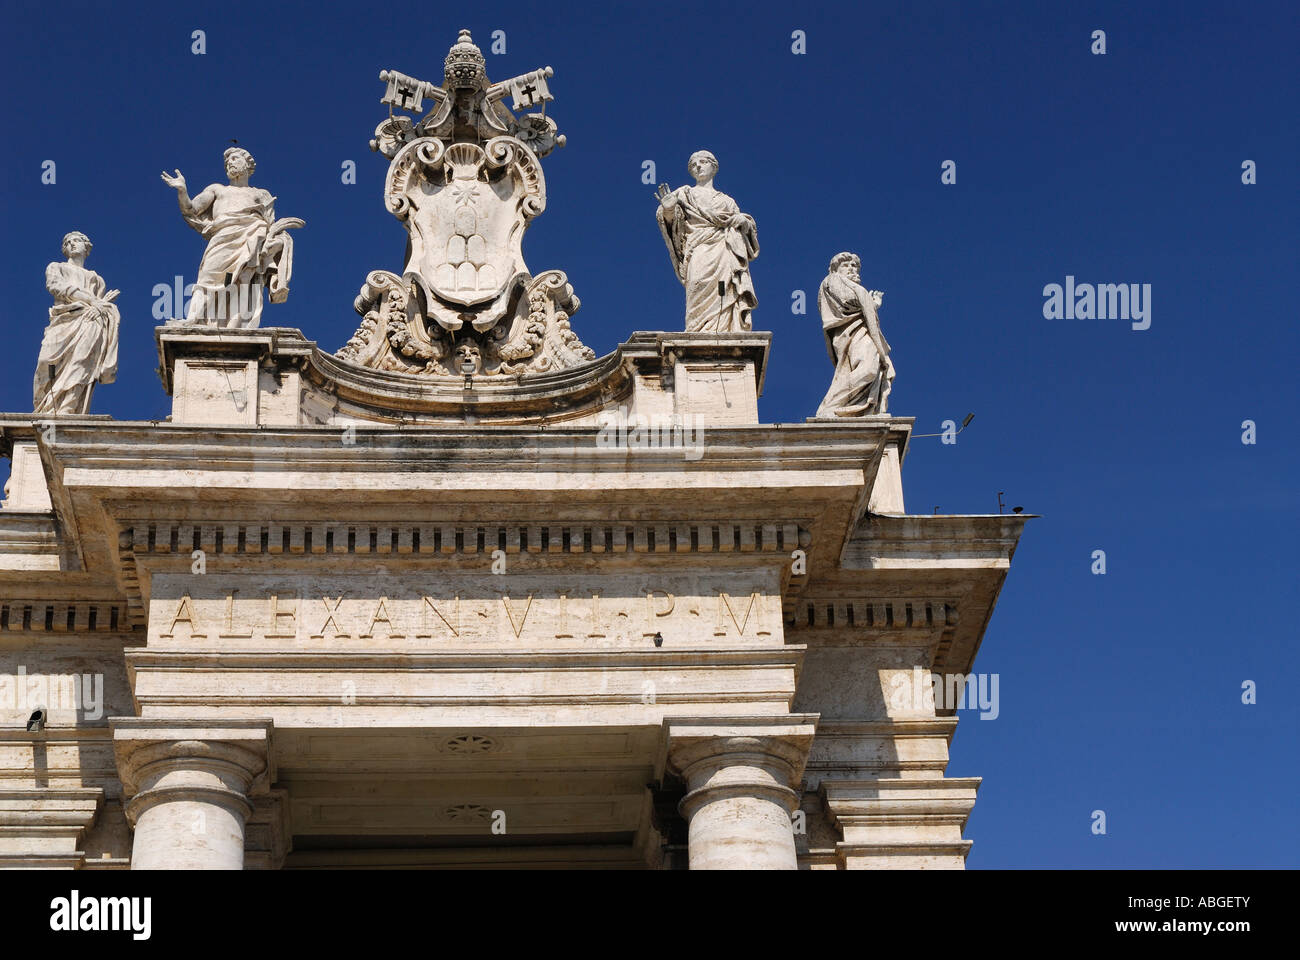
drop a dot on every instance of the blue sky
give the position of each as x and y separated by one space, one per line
1119 692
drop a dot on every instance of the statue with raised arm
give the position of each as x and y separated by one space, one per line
711 244
80 344
248 249
864 373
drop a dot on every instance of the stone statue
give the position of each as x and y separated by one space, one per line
80 344
465 180
711 244
248 249
864 373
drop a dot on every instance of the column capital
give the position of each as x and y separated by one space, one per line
742 778
217 761
688 740
698 749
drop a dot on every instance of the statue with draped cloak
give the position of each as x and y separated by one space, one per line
248 249
80 344
864 373
711 244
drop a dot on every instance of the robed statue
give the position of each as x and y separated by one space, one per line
80 344
711 244
248 249
864 373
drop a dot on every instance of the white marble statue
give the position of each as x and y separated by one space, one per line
864 373
80 344
711 244
248 249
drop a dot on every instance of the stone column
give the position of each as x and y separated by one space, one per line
190 784
741 775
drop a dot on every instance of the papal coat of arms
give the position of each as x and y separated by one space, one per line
466 180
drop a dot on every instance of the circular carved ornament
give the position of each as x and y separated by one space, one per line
469 744
467 813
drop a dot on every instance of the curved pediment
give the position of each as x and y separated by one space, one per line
335 388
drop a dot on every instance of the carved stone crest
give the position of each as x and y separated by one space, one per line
465 181
466 208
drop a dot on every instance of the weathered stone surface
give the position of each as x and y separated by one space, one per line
466 595
465 181
249 251
741 775
864 370
44 828
711 244
79 348
346 593
188 785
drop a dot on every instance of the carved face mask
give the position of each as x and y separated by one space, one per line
467 358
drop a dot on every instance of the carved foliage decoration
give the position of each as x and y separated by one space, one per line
396 336
541 338
393 335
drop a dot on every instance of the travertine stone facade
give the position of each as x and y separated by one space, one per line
463 594
345 617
